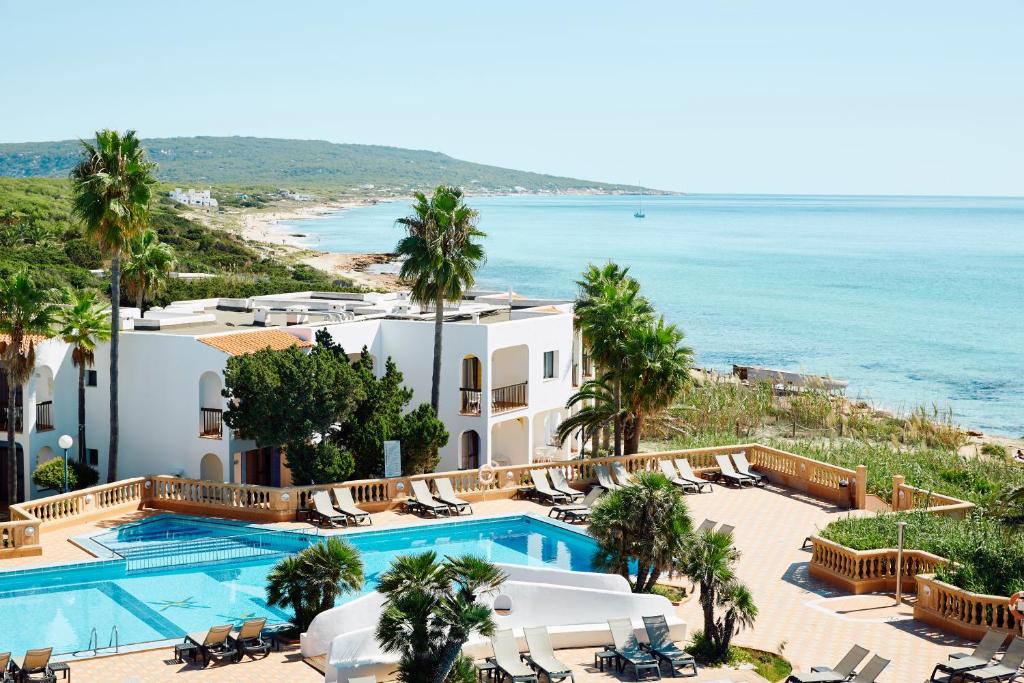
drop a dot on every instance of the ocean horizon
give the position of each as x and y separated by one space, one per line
912 300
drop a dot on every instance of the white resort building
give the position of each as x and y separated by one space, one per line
509 365
193 197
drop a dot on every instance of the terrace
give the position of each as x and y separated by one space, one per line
808 619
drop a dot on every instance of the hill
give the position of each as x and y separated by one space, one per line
300 164
38 233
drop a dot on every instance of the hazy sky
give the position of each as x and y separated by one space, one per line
702 96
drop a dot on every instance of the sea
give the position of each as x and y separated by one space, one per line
915 301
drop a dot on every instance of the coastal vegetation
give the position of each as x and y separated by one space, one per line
441 255
331 415
310 581
431 607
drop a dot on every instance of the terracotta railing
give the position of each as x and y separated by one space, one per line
867 571
907 497
961 612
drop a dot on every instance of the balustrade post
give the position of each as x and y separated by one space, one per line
897 482
861 488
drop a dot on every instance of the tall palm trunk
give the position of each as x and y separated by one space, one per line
138 301
449 655
115 330
12 448
435 383
81 412
618 417
633 428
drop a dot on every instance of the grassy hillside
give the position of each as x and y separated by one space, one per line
302 164
37 232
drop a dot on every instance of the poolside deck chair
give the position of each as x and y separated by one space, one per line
706 525
446 494
35 666
1007 669
577 512
248 639
506 658
669 470
542 489
872 670
687 474
214 644
5 667
726 529
323 512
823 674
981 657
423 501
541 656
728 473
744 468
344 503
627 649
622 475
659 643
604 478
559 483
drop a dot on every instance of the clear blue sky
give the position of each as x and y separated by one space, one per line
738 96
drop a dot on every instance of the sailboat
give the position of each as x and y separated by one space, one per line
640 212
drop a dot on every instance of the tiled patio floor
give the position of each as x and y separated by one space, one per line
808 622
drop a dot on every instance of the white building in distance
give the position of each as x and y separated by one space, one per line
193 197
509 366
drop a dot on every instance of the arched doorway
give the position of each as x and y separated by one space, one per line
211 468
470 386
469 450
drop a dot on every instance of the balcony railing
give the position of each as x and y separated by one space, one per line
44 416
471 401
18 421
213 423
512 397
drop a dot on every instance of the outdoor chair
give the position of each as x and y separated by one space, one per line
542 489
744 468
422 500
5 667
726 529
627 649
669 470
687 474
577 512
873 669
323 512
842 671
541 656
1007 669
34 667
346 505
446 494
706 525
559 483
659 643
506 658
981 657
213 644
622 475
728 473
248 639
604 478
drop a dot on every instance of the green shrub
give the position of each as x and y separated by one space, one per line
50 475
994 450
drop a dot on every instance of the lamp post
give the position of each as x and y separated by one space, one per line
65 442
899 562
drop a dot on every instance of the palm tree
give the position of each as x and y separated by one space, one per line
441 258
430 610
655 371
640 528
113 187
608 307
709 560
83 324
148 268
597 401
311 581
27 312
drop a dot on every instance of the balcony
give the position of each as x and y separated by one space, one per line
588 366
470 401
18 421
213 423
511 397
44 416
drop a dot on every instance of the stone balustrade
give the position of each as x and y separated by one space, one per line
965 614
867 571
907 497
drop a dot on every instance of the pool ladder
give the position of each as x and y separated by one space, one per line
94 644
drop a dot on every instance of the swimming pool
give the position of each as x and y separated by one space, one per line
176 574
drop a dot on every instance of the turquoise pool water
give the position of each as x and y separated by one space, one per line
60 606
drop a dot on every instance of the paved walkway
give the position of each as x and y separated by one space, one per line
800 617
